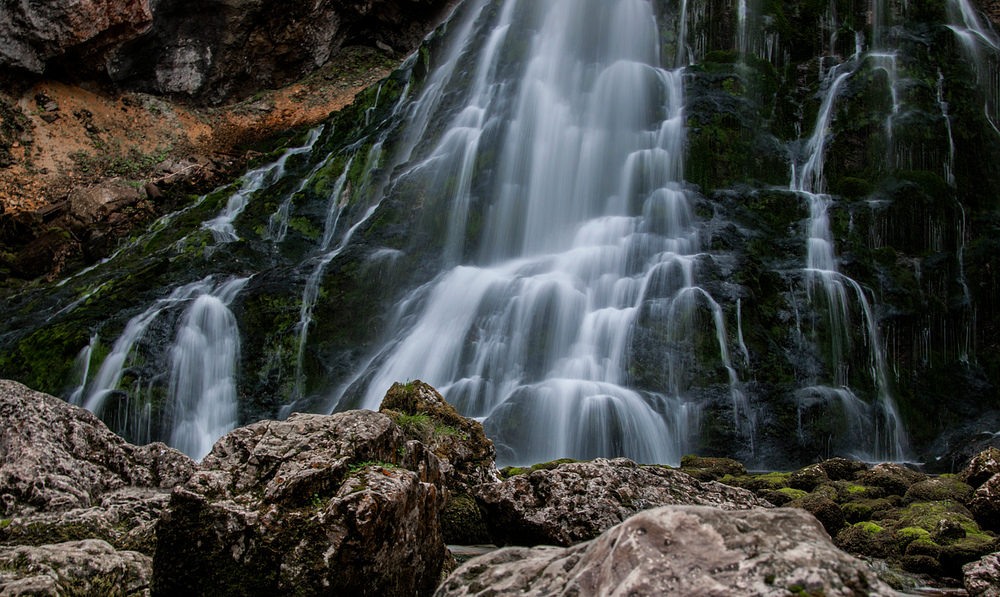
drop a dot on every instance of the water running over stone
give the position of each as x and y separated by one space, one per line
590 228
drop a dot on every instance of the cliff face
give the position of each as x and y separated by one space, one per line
206 52
33 33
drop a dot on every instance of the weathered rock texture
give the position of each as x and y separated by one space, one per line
982 578
32 33
467 456
679 550
577 501
331 505
73 569
224 49
58 457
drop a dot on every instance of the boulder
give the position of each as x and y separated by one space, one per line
938 489
895 479
982 466
679 550
467 456
126 519
32 33
711 469
982 578
331 505
44 255
985 504
71 569
824 509
58 457
842 469
90 204
576 501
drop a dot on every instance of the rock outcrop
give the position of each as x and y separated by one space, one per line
339 504
225 49
73 569
576 501
982 578
679 550
32 33
58 457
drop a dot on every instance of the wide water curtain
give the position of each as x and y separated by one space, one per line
586 231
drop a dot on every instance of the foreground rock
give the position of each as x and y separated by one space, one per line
70 569
57 457
982 578
315 505
679 550
576 501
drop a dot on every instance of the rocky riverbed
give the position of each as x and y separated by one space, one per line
364 503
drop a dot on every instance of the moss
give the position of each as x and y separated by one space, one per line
868 527
462 523
793 493
511 471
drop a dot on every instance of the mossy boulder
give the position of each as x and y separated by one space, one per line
824 509
808 478
842 469
895 479
938 489
711 469
467 456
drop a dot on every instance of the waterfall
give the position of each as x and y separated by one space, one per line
889 439
202 390
982 47
202 387
589 229
222 225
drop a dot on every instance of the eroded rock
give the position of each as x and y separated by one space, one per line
577 501
339 504
90 204
32 33
89 567
57 457
985 504
982 578
982 466
679 550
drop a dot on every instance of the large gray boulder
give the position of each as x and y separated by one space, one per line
74 569
577 501
679 550
982 578
314 505
57 457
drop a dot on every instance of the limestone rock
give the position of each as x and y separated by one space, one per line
679 550
579 500
233 48
90 567
90 204
32 33
339 504
467 456
982 466
126 519
985 504
58 457
982 578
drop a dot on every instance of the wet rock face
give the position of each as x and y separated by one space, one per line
674 550
577 501
339 504
89 567
32 33
57 457
222 49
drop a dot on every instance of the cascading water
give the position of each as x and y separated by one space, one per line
507 218
590 228
885 434
202 390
